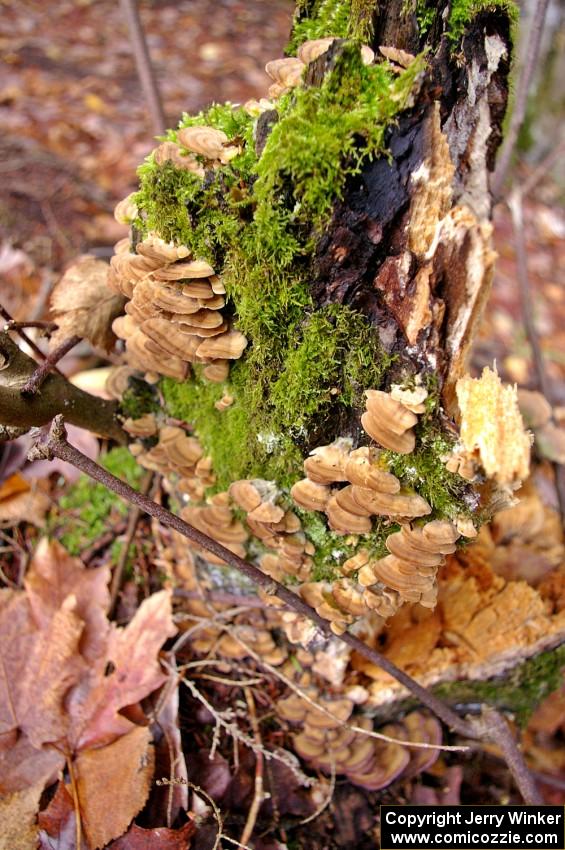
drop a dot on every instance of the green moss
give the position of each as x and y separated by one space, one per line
463 13
138 399
86 509
337 357
520 691
237 447
321 19
333 549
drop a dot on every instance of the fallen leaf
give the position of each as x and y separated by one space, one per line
137 838
12 486
113 784
83 304
19 504
131 657
66 672
57 823
53 575
17 816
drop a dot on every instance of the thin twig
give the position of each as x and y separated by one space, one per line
46 327
57 446
501 734
521 100
515 206
258 795
35 380
144 65
326 801
133 520
235 732
23 336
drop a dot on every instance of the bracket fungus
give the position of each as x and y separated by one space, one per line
389 422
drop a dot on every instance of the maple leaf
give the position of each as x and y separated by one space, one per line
65 671
83 304
126 673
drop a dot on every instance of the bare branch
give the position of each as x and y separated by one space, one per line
35 381
521 101
528 317
144 66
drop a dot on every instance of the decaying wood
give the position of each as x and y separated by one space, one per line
409 244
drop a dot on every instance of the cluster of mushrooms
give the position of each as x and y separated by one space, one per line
408 573
328 740
174 313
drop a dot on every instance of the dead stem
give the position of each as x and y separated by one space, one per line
258 795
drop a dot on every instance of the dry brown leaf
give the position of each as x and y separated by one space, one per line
83 304
54 575
131 657
113 784
17 816
65 671
20 501
57 827
137 838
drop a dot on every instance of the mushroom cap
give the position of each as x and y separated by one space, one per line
245 494
326 463
203 140
126 210
400 546
343 521
310 50
189 270
390 504
394 54
168 337
217 371
226 346
394 415
117 381
402 443
349 598
362 468
155 248
355 562
307 494
266 512
345 500
171 152
412 400
144 426
285 72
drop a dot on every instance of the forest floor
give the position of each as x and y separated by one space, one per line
75 127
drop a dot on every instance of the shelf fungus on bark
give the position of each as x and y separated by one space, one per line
389 422
174 314
287 73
